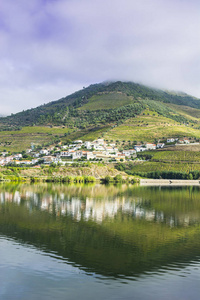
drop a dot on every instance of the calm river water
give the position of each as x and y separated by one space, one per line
99 242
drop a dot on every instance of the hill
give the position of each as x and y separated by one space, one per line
114 110
101 98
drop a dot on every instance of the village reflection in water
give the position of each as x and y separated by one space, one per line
89 203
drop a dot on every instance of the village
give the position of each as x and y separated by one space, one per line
98 150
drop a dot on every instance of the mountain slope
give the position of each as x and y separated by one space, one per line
113 110
97 104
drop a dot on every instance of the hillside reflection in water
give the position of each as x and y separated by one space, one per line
109 232
99 202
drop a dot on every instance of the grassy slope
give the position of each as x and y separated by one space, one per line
95 134
22 139
183 161
133 129
146 127
15 141
107 101
186 110
163 166
181 156
149 127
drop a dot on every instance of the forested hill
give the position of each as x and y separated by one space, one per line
108 102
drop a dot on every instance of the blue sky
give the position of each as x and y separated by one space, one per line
51 48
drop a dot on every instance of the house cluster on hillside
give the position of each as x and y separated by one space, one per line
97 149
79 150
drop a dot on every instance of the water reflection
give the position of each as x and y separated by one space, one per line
98 202
115 231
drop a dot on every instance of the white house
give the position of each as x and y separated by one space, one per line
97 147
100 142
109 149
34 161
181 141
65 153
51 159
87 144
129 152
77 155
64 147
77 147
44 152
8 159
17 156
90 155
36 155
48 159
160 145
1 162
171 140
139 148
150 146
186 141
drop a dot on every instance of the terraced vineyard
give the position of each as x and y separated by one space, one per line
162 166
15 141
174 156
165 164
150 126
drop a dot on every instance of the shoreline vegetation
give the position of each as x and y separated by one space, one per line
71 179
118 179
57 174
107 180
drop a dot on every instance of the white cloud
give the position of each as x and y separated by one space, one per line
18 99
47 48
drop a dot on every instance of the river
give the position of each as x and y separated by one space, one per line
99 242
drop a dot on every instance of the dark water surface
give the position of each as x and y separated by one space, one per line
99 242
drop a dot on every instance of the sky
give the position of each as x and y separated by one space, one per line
51 48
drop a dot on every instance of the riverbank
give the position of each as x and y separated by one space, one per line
71 174
84 174
168 182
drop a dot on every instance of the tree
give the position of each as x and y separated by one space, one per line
118 178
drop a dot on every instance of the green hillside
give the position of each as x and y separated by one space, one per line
104 101
113 110
186 110
22 139
150 126
81 107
